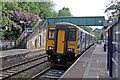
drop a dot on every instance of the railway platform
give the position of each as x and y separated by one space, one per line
92 64
15 52
13 56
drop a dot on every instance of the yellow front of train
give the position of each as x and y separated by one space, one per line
61 44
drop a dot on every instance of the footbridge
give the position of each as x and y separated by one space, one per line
79 21
37 36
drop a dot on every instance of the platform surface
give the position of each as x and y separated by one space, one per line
13 52
92 64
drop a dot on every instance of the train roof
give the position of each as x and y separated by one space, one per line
67 23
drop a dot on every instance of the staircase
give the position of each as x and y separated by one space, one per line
37 38
21 42
37 30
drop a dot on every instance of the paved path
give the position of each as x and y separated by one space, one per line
97 66
93 64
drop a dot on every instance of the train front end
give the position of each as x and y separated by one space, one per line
61 42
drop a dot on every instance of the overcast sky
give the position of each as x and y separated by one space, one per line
83 7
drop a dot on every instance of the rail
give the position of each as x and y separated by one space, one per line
21 63
50 73
20 38
112 40
21 67
37 28
44 24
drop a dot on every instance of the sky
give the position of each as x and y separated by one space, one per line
83 7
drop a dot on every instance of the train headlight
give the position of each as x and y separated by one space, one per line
58 59
49 56
71 49
50 47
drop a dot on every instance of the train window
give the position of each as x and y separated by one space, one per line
51 33
72 34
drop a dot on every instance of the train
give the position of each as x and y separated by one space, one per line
65 42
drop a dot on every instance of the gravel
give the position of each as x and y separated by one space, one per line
31 72
20 58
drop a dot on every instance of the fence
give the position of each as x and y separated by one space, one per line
113 49
7 45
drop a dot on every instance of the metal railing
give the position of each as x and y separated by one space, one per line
112 40
23 34
44 24
36 29
20 38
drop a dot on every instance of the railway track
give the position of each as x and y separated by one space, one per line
10 71
51 73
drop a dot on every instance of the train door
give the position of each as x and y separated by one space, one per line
83 42
61 40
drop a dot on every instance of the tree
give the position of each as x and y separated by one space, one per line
98 34
47 10
14 12
114 9
64 12
88 29
2 35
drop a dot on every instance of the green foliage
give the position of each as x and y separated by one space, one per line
88 29
114 9
35 9
47 10
43 9
12 21
101 36
98 36
64 12
11 34
2 35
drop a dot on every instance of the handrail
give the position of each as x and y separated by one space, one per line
44 23
35 30
23 34
37 23
21 37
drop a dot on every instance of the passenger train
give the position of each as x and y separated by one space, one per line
65 41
